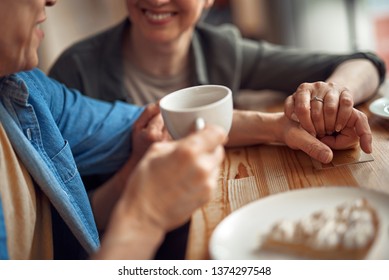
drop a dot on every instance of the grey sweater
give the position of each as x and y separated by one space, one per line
219 54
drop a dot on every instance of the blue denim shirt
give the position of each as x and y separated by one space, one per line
59 134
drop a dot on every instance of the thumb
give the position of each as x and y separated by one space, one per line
148 114
315 148
289 108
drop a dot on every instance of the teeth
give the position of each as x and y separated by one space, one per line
157 16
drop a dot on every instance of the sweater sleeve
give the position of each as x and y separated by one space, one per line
283 68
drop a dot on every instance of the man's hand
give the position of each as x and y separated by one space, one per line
356 130
172 180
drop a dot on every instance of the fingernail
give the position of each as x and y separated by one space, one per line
325 156
294 117
338 128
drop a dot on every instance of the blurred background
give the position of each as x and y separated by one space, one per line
323 25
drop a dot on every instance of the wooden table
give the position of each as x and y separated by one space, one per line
251 173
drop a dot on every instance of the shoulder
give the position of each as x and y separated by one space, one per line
218 42
39 84
225 32
34 78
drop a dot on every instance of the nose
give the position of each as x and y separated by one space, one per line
50 3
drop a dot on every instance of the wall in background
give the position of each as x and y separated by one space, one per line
323 25
380 18
331 25
71 20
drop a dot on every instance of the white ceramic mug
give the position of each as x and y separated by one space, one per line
188 109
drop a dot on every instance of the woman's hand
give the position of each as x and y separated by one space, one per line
149 128
321 108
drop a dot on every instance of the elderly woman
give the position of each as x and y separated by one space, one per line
161 47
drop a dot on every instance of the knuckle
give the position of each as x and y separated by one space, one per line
344 90
153 135
318 85
289 102
148 109
202 173
185 153
330 109
316 115
363 116
156 146
304 86
332 84
346 100
301 109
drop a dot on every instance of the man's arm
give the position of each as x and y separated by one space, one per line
251 128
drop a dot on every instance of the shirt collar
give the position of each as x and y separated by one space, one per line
14 88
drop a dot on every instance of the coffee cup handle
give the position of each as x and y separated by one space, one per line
199 124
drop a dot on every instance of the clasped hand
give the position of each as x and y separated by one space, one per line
325 110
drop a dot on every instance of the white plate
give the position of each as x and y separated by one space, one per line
380 107
238 235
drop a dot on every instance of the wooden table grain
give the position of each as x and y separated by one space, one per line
251 173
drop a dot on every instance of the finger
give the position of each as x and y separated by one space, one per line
206 139
330 110
317 115
359 121
302 108
156 122
210 164
313 147
347 139
356 130
154 130
345 109
149 112
166 135
289 108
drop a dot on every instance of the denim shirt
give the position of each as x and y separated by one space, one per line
59 135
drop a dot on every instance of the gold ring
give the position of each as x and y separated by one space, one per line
315 98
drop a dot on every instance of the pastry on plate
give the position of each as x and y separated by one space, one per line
346 231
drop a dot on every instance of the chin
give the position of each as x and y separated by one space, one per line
160 39
30 64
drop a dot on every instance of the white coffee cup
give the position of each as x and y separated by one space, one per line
188 109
